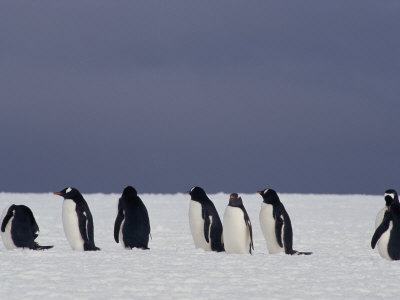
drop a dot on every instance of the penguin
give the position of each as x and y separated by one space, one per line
387 233
77 220
132 225
205 224
238 233
19 228
382 243
275 224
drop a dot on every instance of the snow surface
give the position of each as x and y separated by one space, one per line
337 228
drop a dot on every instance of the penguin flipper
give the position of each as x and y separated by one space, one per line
83 220
278 230
381 229
288 235
248 224
7 217
117 225
207 225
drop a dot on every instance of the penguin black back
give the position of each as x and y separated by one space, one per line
132 221
24 229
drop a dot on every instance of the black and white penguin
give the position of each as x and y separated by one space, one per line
132 225
382 243
387 234
205 224
275 224
77 220
19 228
238 233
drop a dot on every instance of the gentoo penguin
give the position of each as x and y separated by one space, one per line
276 225
205 224
19 228
132 225
382 243
387 234
238 234
77 220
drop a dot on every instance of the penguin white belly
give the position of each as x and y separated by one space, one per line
120 235
197 226
236 233
383 241
267 223
71 225
6 235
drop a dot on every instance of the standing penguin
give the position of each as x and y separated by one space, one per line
205 224
276 225
387 234
77 220
382 243
238 233
19 228
132 225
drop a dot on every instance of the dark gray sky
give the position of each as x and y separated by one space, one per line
234 96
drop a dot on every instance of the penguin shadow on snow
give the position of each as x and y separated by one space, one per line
19 228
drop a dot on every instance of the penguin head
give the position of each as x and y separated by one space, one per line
197 193
391 197
129 192
235 200
269 196
69 193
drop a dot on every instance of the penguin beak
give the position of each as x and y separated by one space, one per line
259 192
58 193
188 193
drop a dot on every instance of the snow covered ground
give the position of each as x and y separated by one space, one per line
337 228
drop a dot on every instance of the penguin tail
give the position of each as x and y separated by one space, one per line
38 247
301 253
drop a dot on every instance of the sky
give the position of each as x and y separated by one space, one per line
233 96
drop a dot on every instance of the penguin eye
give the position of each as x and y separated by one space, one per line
68 190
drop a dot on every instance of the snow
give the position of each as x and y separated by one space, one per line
337 228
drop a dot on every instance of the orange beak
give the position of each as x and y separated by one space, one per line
57 193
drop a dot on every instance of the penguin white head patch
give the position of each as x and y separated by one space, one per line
68 190
391 195
266 191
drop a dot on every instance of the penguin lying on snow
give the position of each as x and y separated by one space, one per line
77 220
276 225
238 233
205 224
132 225
387 234
19 228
